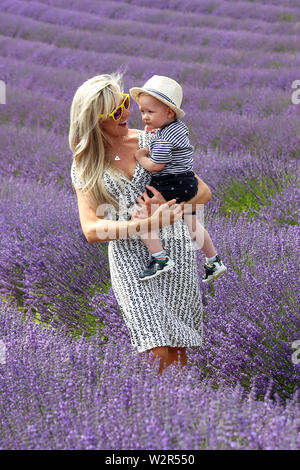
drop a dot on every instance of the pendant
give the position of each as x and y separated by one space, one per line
117 157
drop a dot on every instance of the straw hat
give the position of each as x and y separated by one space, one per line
164 89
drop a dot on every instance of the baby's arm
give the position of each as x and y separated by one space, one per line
141 156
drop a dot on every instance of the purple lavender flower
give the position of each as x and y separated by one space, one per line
62 393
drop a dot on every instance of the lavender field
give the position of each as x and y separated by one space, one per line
69 378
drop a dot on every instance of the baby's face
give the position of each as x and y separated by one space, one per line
155 114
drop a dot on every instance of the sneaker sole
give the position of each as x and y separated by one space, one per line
158 273
215 277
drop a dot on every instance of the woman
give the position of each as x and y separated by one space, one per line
164 315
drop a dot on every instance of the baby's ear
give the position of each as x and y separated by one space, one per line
171 113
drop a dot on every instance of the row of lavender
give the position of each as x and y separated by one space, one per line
62 393
49 269
201 52
246 93
235 18
19 26
59 393
269 12
42 69
48 159
273 134
82 16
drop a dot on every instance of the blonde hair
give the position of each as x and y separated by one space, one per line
98 95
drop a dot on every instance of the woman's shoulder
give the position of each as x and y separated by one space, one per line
143 137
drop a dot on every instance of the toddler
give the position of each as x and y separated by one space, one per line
170 160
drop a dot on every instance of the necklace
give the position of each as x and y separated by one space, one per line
117 157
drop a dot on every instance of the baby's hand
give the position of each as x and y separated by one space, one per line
148 129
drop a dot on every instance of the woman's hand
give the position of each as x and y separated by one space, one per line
145 201
166 215
142 210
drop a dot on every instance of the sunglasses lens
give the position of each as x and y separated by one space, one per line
119 111
118 114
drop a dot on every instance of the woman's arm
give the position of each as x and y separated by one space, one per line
97 229
203 195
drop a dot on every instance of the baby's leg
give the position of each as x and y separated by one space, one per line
160 260
208 247
214 266
199 235
152 242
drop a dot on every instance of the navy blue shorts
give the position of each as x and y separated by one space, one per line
179 186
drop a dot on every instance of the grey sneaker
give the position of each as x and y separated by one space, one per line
156 267
214 270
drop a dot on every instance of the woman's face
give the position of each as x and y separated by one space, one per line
116 128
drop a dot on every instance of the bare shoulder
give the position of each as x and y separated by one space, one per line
133 134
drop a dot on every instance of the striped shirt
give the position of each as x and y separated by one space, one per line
171 145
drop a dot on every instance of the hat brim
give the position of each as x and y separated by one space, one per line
135 92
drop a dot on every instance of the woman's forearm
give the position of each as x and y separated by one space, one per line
107 230
203 195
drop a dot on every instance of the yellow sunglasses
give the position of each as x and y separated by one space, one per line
117 113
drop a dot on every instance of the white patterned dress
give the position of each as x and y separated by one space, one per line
166 310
